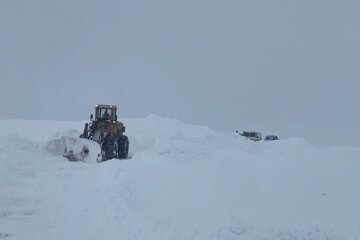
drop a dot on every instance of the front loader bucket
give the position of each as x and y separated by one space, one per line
75 149
80 149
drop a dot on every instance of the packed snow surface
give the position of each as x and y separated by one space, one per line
182 182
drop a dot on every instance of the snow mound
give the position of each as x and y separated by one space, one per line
183 182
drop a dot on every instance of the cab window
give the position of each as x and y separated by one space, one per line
105 113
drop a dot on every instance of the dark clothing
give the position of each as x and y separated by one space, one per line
106 116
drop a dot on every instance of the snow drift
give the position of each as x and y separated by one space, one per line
183 182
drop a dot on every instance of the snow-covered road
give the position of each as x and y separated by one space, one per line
183 182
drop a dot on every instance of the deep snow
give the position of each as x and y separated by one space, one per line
183 182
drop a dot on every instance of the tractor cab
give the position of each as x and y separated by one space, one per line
105 113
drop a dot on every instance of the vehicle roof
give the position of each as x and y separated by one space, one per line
105 106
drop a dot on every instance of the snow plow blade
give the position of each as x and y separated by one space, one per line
75 149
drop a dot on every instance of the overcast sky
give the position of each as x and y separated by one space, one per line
285 66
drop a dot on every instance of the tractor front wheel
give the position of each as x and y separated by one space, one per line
108 147
123 147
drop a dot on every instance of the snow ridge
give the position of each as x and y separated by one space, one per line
182 182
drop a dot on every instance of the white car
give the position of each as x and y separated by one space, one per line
254 136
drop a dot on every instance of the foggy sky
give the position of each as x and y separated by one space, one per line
288 67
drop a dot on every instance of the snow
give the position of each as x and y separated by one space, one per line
182 182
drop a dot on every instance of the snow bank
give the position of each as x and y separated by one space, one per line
183 182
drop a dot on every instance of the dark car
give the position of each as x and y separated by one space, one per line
271 138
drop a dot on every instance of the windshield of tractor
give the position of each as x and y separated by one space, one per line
105 114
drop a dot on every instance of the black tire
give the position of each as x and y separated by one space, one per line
123 147
108 147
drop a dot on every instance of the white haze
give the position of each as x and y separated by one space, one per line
287 67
